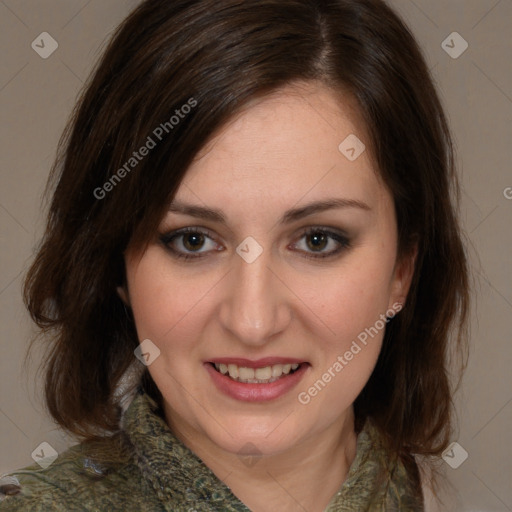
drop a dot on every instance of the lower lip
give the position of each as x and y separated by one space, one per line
256 392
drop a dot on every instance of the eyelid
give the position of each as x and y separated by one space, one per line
340 236
167 238
324 229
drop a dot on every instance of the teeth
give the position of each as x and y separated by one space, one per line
277 370
256 375
233 370
245 373
263 373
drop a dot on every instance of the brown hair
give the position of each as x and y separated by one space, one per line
215 56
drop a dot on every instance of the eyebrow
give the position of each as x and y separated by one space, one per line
288 217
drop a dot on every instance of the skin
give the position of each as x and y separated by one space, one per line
280 152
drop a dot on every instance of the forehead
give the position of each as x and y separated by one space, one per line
282 148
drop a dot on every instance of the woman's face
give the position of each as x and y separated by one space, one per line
273 278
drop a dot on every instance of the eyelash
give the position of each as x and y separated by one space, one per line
167 238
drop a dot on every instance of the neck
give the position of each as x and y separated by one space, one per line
305 477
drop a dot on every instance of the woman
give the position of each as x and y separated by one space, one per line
252 266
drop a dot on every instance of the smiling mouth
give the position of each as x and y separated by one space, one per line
264 375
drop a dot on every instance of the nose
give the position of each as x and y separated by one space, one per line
255 306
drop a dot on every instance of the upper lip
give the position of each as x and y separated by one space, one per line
258 363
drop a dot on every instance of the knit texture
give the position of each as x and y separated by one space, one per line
162 474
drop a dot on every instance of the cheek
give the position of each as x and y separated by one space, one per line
351 303
351 308
164 303
350 298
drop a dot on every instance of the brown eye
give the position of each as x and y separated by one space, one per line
318 241
193 241
189 243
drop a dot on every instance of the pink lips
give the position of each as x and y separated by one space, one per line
256 392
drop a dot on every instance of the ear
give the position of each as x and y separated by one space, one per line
122 291
402 278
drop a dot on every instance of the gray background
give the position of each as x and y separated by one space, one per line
37 95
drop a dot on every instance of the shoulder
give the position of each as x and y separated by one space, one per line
403 489
25 491
76 481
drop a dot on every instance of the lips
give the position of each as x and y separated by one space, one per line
258 363
231 376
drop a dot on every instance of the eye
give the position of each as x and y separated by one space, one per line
187 242
318 239
191 243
